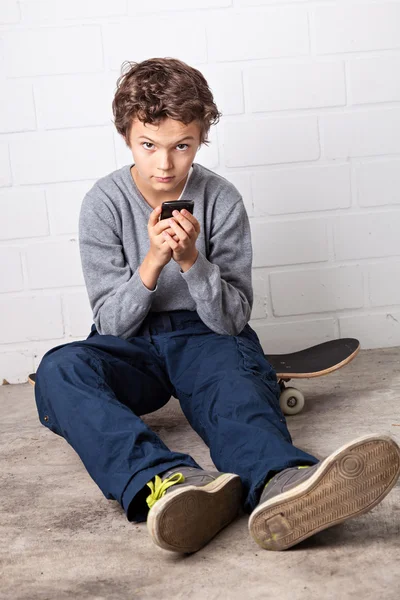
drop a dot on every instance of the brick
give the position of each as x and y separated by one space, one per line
55 109
135 7
260 291
316 290
367 235
5 171
17 110
355 28
378 183
48 10
26 214
175 37
34 318
122 152
64 202
245 36
246 3
79 314
49 51
56 156
384 285
278 337
289 242
15 366
11 277
54 264
270 141
9 12
301 189
2 65
225 82
373 330
374 80
295 86
364 133
208 156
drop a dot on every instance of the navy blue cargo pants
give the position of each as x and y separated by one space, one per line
93 392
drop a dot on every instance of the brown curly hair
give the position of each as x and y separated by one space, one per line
163 87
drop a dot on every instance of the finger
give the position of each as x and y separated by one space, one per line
172 244
172 233
185 223
181 233
153 219
192 219
162 226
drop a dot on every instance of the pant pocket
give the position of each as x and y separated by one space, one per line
253 357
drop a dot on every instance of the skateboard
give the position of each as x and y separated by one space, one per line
315 361
311 362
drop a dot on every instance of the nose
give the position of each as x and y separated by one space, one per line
165 162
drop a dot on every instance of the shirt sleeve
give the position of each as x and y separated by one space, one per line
119 299
221 283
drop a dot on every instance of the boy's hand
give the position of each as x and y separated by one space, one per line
187 229
160 251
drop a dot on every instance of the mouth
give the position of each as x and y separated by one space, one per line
164 179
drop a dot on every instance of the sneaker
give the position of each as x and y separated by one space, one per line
298 502
188 507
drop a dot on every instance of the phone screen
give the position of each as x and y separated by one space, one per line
169 207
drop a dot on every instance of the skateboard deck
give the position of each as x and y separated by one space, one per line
315 361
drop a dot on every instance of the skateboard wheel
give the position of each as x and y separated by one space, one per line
291 401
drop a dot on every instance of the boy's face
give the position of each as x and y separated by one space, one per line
163 155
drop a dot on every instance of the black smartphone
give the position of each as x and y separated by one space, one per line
168 207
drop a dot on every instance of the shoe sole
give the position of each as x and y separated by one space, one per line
185 519
348 483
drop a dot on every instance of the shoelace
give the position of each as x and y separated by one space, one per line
159 487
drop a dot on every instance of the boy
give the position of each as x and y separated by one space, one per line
171 302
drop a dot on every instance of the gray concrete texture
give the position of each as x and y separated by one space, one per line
61 539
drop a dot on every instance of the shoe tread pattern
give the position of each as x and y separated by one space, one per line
352 485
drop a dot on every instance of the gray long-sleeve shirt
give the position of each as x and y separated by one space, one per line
114 241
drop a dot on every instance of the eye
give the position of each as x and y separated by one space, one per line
182 146
147 144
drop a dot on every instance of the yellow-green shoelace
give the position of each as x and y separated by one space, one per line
158 487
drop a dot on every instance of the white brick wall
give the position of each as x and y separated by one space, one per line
68 155
50 51
357 26
378 182
5 170
248 35
295 85
310 136
289 242
268 141
317 290
362 133
372 80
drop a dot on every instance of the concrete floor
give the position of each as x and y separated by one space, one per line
60 538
